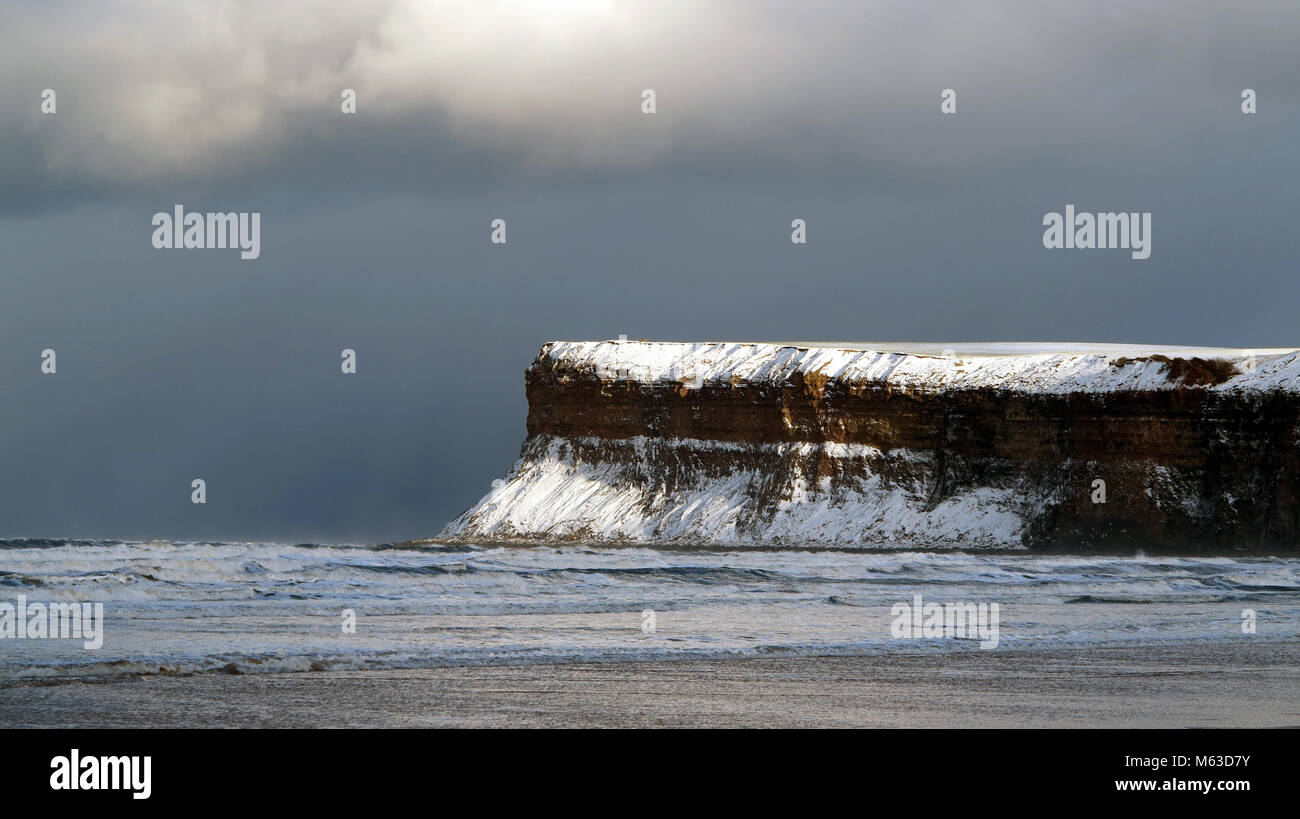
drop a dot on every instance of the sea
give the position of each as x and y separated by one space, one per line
182 608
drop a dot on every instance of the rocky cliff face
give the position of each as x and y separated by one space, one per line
761 444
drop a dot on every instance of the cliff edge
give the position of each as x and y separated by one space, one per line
1002 446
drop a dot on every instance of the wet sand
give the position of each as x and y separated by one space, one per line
1243 683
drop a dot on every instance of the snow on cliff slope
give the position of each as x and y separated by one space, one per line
552 494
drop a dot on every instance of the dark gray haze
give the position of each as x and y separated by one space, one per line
183 364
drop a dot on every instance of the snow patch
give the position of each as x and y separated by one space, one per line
1043 368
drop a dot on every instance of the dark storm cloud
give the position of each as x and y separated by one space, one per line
157 94
183 364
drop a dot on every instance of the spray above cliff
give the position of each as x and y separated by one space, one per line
1009 446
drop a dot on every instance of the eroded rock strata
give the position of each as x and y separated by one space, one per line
764 444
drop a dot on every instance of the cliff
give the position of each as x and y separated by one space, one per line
1078 447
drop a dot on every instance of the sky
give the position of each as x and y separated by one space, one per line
674 225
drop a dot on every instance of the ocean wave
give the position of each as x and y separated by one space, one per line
198 607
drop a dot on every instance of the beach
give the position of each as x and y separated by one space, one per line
1239 683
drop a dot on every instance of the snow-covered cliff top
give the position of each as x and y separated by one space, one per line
1028 367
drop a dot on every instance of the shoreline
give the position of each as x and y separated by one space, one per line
1237 684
